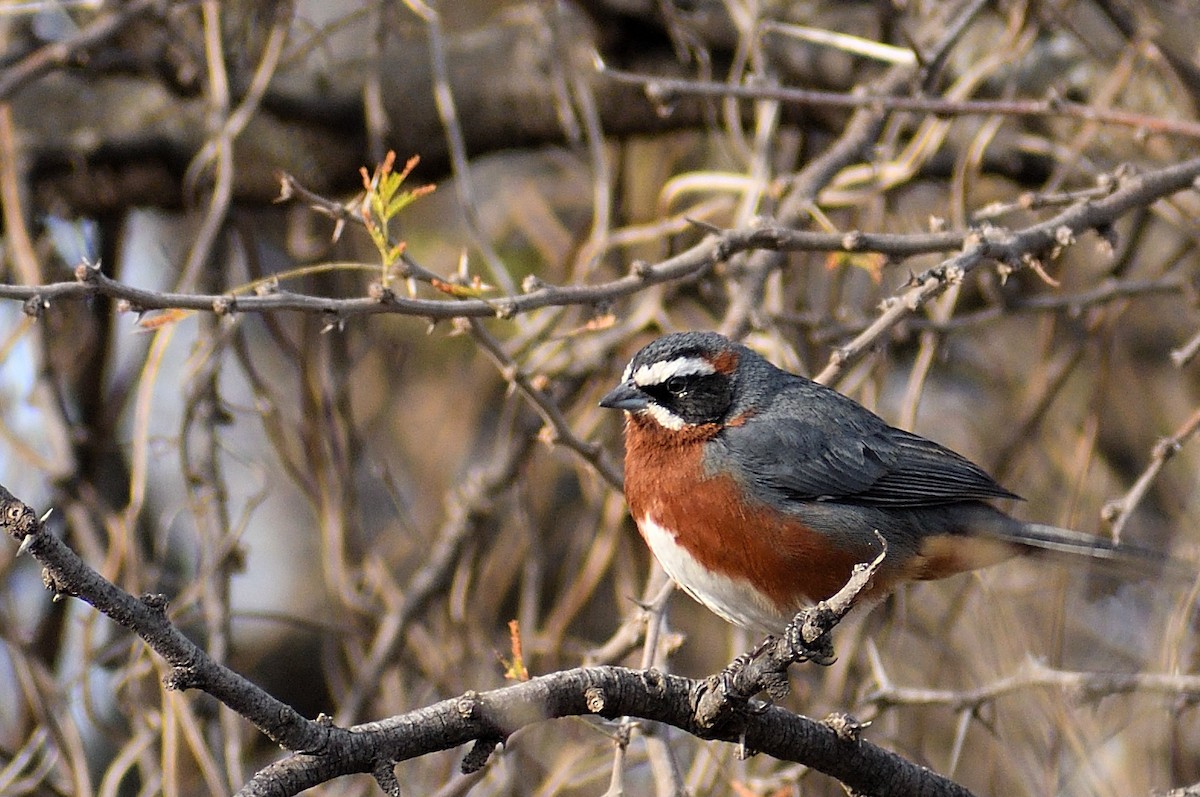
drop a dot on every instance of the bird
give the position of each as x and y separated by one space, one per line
758 490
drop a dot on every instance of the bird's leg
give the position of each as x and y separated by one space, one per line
729 678
723 695
808 636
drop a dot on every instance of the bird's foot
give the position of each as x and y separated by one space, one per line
807 636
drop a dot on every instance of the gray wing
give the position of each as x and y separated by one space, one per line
853 456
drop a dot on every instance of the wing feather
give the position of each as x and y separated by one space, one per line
835 450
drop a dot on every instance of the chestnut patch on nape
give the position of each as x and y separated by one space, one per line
740 420
725 362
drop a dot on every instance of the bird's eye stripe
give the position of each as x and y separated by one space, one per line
659 372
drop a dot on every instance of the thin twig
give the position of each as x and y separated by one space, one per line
662 88
61 53
1117 512
468 508
464 184
591 453
1033 674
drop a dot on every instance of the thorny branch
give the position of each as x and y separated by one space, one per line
324 751
592 453
67 574
1014 249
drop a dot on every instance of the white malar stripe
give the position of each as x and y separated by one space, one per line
664 417
659 372
731 598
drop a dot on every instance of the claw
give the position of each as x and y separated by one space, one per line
819 651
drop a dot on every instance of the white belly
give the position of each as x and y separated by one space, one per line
731 598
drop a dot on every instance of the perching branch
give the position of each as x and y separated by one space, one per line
807 638
322 751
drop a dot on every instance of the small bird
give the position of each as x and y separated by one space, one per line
759 490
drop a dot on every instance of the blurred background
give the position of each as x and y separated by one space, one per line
349 509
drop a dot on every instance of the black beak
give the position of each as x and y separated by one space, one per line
625 396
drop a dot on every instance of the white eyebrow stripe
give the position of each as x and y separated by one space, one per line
659 372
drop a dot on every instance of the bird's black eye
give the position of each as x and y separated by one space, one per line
677 385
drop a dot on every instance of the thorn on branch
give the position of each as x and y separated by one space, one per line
641 269
703 225
381 293
1186 353
57 589
333 322
1035 264
847 728
156 601
87 272
286 187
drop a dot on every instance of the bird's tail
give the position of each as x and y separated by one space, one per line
1038 536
